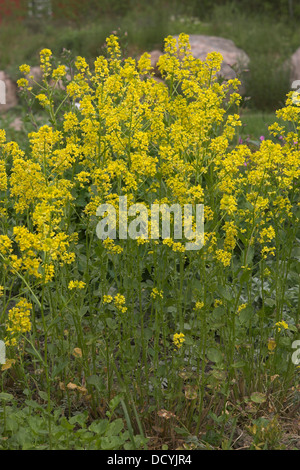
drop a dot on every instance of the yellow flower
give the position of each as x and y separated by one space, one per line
18 321
119 301
156 293
24 68
5 245
241 307
59 73
199 305
178 339
44 101
76 285
267 234
111 247
45 56
271 344
228 204
223 256
281 324
22 83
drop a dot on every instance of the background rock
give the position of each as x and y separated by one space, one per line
10 89
36 73
235 60
294 64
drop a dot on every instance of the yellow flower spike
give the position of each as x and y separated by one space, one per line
144 63
76 285
281 324
119 302
59 72
18 321
22 83
199 305
43 99
45 64
24 68
156 293
178 339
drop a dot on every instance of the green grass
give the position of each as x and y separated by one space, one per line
255 124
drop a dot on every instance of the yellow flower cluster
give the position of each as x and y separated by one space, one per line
45 56
281 324
156 293
178 339
122 132
76 285
18 321
119 301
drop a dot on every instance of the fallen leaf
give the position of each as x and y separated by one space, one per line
72 386
8 364
190 392
77 352
166 414
258 397
62 386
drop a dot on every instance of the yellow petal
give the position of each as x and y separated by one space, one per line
271 344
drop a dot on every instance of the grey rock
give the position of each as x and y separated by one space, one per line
235 60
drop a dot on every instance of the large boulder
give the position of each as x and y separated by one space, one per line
294 64
235 60
8 92
35 75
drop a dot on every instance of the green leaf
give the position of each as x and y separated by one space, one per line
245 316
99 427
111 443
43 395
96 381
225 293
238 365
214 355
258 397
181 431
148 333
115 427
6 396
111 323
59 368
245 276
